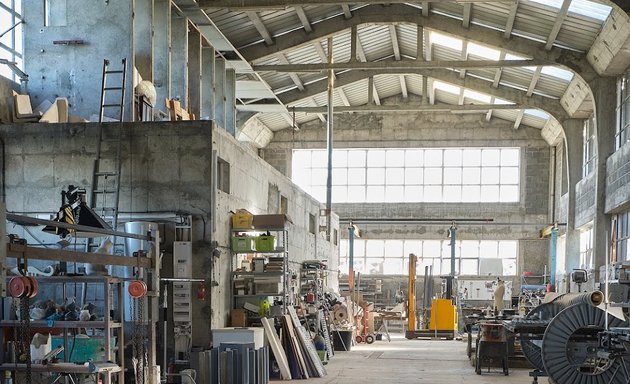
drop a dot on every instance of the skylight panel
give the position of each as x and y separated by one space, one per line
446 87
480 50
537 113
446 41
502 101
557 72
551 3
590 9
477 96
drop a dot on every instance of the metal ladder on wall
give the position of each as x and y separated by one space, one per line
105 194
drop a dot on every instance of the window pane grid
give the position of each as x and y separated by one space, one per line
11 41
453 175
391 257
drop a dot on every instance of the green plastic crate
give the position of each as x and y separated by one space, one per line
243 244
265 243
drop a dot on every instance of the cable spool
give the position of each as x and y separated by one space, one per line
137 289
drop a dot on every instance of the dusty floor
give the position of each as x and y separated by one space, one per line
404 361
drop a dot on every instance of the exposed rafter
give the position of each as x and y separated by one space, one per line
562 14
346 11
431 89
534 81
519 119
342 96
551 106
426 7
499 72
303 18
320 115
399 13
409 108
461 96
296 79
403 86
464 57
467 15
489 114
388 65
394 36
509 25
260 26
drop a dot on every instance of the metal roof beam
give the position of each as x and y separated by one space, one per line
260 26
551 106
562 14
409 108
303 18
388 65
509 25
398 13
395 45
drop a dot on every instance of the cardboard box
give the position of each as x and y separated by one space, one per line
238 318
243 244
242 219
270 221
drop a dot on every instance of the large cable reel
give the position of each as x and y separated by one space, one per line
569 347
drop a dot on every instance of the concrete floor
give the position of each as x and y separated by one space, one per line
412 361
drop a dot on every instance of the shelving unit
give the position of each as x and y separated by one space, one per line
247 280
112 311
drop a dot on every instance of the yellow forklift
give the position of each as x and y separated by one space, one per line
443 311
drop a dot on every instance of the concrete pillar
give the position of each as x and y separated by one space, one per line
219 97
605 99
207 83
143 38
179 58
230 101
194 71
573 152
162 51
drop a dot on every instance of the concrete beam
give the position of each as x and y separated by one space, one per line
342 95
499 72
260 27
464 57
534 81
303 18
467 15
296 79
410 108
386 65
179 58
230 101
399 13
509 25
207 83
562 14
519 118
395 45
426 8
162 51
346 11
403 86
194 72
219 87
548 105
489 114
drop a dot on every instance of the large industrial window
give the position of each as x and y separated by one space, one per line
588 152
623 111
440 175
391 257
10 36
623 236
586 249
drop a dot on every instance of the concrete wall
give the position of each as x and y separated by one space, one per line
517 221
6 88
166 167
585 200
74 71
618 179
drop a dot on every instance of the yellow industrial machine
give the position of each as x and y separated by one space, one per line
443 318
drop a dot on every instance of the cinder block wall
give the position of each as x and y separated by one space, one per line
166 168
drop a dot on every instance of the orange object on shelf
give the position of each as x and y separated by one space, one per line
137 289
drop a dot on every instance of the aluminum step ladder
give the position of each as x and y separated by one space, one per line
105 193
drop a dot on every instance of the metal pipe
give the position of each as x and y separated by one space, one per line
329 140
351 257
553 252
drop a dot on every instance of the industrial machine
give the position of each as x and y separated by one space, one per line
491 347
560 339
